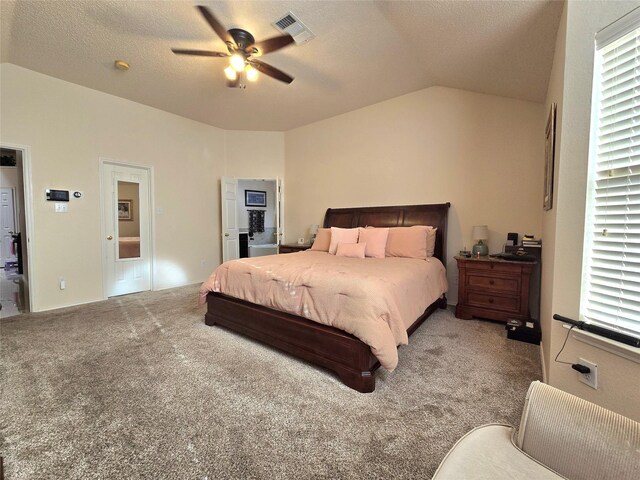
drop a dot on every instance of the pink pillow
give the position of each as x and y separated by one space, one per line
352 250
409 242
375 239
431 241
342 235
323 240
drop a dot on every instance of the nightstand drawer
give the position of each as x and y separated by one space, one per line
494 283
494 302
482 266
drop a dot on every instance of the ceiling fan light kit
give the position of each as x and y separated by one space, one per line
242 52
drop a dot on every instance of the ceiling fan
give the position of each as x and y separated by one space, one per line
243 50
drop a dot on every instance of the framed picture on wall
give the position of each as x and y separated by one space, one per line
255 198
550 149
124 210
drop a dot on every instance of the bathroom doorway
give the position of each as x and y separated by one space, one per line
252 217
16 215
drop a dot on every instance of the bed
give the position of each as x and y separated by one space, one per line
323 345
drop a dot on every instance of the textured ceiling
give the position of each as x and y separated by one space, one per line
364 52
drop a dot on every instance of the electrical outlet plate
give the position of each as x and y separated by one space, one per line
590 378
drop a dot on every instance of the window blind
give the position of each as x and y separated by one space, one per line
611 283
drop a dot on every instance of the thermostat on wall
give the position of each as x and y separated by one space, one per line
57 195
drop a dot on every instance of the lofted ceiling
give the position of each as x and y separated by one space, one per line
364 52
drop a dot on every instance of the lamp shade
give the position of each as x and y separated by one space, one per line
314 229
480 232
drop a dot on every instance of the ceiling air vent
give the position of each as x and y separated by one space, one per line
292 25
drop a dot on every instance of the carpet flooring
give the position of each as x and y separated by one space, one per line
138 387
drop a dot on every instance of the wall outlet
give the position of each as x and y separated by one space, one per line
63 283
61 208
590 378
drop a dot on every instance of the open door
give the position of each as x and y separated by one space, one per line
8 226
279 211
230 238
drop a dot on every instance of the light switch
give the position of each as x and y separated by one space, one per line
62 207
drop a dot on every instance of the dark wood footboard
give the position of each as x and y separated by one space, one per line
321 345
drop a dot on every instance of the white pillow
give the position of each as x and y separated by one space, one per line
342 235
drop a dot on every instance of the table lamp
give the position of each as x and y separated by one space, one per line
314 232
480 233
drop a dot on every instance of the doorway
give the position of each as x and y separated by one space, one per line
252 217
126 207
16 216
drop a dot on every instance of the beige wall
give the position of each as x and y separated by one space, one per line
554 95
482 153
69 128
254 154
619 388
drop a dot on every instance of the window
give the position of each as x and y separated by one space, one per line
611 273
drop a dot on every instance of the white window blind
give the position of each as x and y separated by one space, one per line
611 283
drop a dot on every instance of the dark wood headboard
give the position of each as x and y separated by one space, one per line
395 216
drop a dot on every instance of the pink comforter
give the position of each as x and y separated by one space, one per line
374 299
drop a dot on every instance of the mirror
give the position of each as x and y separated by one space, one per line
128 220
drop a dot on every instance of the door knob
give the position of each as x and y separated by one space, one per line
226 234
109 237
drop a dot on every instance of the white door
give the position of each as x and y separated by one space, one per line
126 207
230 239
279 211
8 224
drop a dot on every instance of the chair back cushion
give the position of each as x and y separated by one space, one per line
577 438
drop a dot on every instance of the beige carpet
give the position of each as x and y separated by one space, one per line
138 387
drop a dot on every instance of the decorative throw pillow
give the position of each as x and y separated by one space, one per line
342 235
322 241
375 239
409 242
353 250
431 241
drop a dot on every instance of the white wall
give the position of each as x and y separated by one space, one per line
482 153
571 87
69 128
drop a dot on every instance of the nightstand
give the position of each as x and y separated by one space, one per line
293 247
493 288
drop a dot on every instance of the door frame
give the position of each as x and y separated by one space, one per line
279 181
152 223
27 186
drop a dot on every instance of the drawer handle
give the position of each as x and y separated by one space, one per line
491 282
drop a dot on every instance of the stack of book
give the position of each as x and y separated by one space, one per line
529 241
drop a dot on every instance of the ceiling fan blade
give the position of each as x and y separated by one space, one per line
216 25
271 71
199 53
270 44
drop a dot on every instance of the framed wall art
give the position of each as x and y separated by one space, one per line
124 210
255 198
549 158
